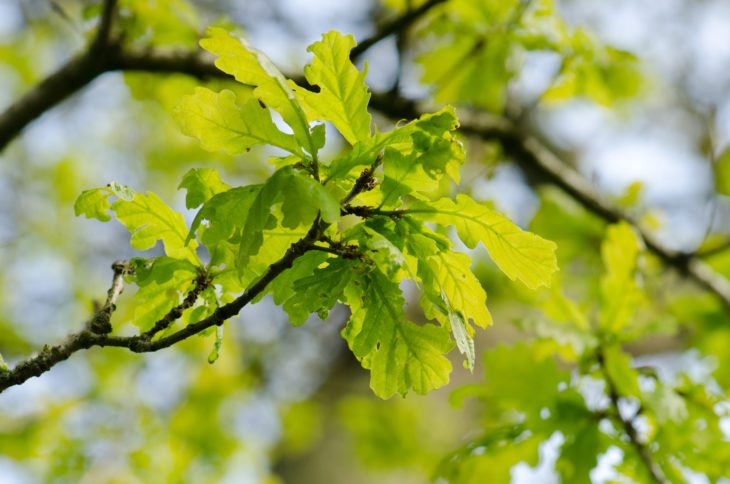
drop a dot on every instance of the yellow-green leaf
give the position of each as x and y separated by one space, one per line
253 68
149 219
343 97
220 124
620 292
400 355
519 254
722 173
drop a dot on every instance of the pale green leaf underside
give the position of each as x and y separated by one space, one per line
450 275
251 67
149 219
221 124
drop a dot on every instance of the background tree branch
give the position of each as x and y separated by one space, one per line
652 467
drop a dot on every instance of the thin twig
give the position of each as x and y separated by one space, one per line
100 322
201 283
103 33
397 25
652 467
85 339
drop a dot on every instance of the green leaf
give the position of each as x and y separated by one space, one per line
343 96
437 150
94 203
383 245
400 355
201 185
159 269
251 67
404 174
618 367
283 287
226 213
321 289
460 331
620 291
3 366
469 69
216 351
558 307
491 458
520 382
302 199
162 282
579 455
221 125
149 219
722 173
448 275
519 254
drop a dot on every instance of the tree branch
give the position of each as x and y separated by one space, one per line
86 338
201 283
107 55
655 471
397 25
100 323
103 33
530 153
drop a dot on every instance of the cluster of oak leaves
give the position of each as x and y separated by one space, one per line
390 231
372 218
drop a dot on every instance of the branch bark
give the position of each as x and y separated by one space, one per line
533 155
143 343
106 54
652 467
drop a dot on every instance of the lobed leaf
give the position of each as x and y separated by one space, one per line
400 355
149 219
519 254
302 200
343 96
251 67
220 124
202 184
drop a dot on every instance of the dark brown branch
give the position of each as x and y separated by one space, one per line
103 33
100 322
70 78
201 283
397 25
85 339
652 467
67 80
365 182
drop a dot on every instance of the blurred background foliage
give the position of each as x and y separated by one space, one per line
633 95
